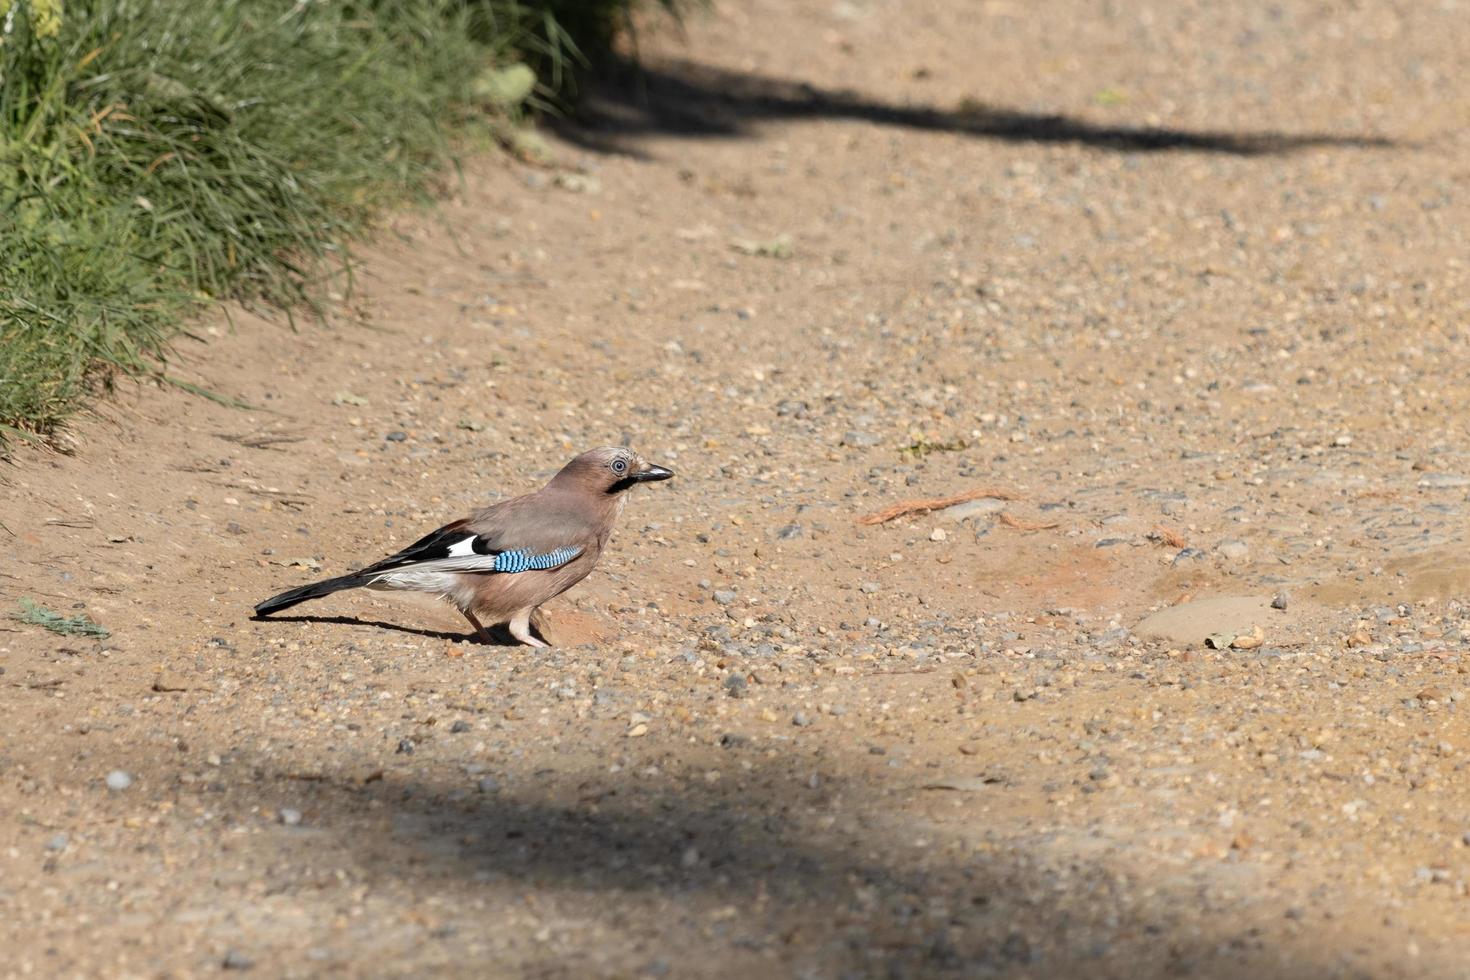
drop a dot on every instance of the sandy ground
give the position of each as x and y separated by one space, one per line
1186 279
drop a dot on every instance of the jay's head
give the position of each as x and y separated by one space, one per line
610 470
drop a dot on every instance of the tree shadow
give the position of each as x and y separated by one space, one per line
691 100
692 866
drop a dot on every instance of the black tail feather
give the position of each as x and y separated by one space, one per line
313 591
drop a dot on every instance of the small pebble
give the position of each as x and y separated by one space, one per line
460 726
1233 549
117 780
396 436
289 816
235 960
801 719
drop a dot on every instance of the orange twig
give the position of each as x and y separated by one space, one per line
924 505
1022 525
1169 537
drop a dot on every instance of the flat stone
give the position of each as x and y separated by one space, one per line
1233 549
1443 481
1192 622
971 508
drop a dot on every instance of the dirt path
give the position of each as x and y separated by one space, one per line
1189 279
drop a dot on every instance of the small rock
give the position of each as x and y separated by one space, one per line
725 596
57 843
578 183
459 727
396 436
488 784
1233 549
801 719
790 531
971 508
1249 641
1279 601
860 440
236 960
937 534
1187 555
117 780
405 746
1190 622
736 686
290 816
1443 481
870 587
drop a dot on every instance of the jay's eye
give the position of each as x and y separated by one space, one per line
620 466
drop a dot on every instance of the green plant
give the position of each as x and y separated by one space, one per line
160 154
78 625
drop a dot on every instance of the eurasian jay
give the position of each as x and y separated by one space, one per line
500 563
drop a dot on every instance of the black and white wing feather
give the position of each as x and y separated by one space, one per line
457 548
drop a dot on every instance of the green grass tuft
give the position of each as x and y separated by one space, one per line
79 625
156 155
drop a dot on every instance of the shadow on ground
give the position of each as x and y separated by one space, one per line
500 635
691 100
655 867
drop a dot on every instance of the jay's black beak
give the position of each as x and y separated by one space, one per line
651 473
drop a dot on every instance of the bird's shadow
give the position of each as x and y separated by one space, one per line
499 633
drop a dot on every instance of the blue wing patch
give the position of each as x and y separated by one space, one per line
525 561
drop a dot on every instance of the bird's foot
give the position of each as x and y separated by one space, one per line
520 628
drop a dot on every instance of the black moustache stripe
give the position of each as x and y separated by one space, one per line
622 484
